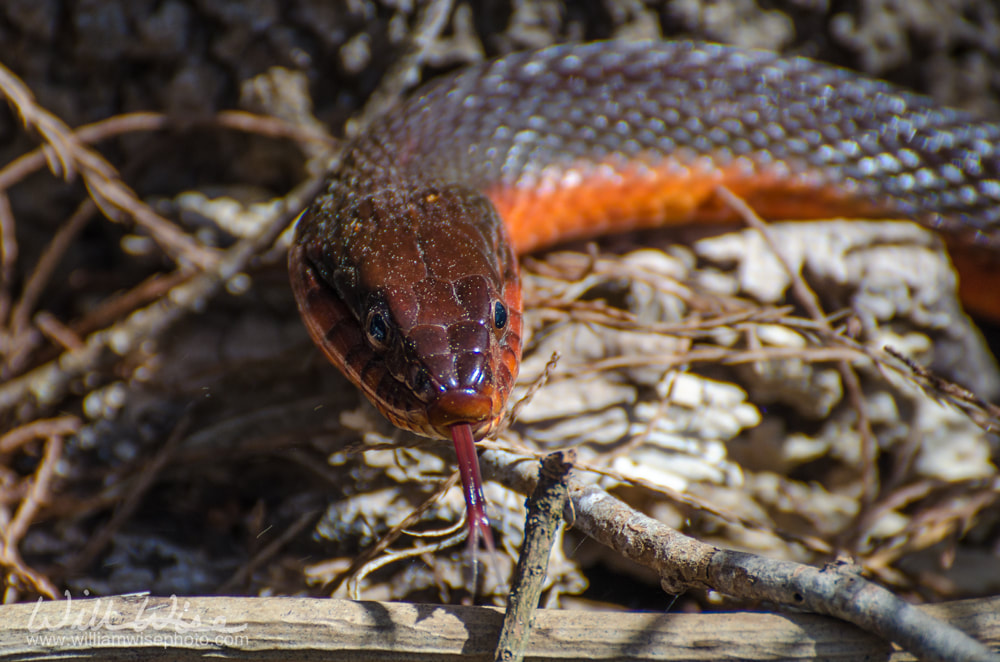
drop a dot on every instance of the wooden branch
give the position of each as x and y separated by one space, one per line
545 514
684 563
140 627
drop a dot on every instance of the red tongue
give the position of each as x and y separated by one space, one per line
472 486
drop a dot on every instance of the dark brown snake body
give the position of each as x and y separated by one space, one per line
405 267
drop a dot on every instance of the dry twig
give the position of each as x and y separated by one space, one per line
69 155
684 563
808 299
38 493
545 513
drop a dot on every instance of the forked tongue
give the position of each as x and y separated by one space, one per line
472 487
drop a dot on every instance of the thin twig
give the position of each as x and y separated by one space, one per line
354 583
273 127
48 383
131 499
954 392
117 306
57 332
26 164
37 495
852 384
51 427
533 389
405 70
545 511
269 550
237 120
47 264
101 178
390 537
8 254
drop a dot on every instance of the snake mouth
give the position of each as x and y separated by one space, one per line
465 406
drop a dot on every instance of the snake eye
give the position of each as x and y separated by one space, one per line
499 315
377 329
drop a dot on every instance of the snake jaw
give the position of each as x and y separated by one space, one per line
466 406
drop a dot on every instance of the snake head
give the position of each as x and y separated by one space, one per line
415 296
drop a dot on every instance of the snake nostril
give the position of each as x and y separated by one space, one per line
462 406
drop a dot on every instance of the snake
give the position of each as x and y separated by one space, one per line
405 265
